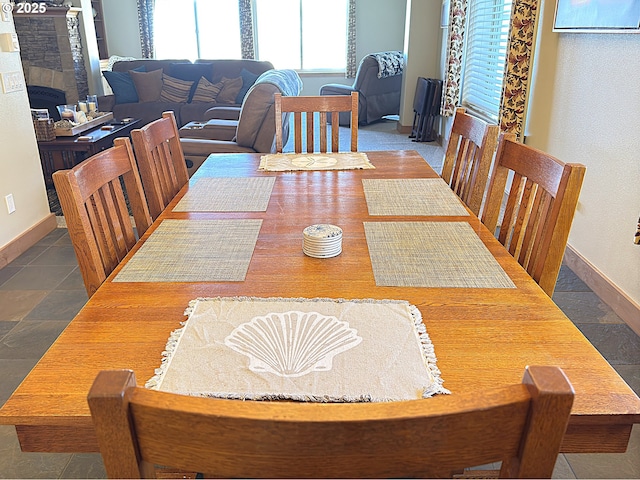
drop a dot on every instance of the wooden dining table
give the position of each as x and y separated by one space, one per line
482 337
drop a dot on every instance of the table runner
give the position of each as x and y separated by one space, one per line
194 251
411 196
227 195
318 350
431 254
282 162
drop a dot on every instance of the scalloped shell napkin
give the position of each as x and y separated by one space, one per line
318 350
283 162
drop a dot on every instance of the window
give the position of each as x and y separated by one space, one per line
194 29
298 34
302 34
487 36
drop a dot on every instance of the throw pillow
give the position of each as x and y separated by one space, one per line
122 85
191 72
148 85
174 89
206 91
230 89
248 79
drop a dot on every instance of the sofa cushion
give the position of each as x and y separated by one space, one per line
206 91
148 85
231 68
230 89
122 85
174 89
191 72
248 79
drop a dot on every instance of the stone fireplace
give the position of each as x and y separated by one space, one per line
51 51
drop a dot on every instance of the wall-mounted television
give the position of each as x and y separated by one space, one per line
597 16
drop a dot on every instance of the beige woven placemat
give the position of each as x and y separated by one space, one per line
282 162
194 251
249 194
319 350
431 254
411 196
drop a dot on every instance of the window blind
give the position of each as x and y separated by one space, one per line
487 36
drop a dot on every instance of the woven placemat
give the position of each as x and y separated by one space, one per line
227 195
316 349
282 162
432 254
411 196
194 251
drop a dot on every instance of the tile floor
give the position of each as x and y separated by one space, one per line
42 290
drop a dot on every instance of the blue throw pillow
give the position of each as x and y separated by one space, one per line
248 79
122 85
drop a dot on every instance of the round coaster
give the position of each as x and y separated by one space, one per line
322 240
320 255
322 230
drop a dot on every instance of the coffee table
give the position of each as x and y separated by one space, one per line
66 152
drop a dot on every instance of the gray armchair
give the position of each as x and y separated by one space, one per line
255 129
378 96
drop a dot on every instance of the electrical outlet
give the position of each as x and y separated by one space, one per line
11 206
12 82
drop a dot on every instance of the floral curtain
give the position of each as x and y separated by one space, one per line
352 67
455 50
518 65
246 30
145 24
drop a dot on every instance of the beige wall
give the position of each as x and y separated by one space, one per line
422 46
19 160
587 110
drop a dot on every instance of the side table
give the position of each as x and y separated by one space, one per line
66 152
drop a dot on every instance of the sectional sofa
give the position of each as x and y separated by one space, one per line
146 88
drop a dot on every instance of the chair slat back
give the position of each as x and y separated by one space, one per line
93 203
535 221
468 158
161 161
325 107
521 425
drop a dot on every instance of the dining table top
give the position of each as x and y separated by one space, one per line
482 337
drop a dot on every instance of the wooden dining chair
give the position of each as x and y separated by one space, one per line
521 425
95 210
540 204
327 108
161 161
468 157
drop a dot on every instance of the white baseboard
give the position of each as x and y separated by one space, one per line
624 306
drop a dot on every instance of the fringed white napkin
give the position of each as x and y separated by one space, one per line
317 350
283 162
